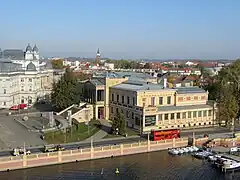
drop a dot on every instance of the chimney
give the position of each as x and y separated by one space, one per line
165 82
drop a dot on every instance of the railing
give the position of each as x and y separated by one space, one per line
42 159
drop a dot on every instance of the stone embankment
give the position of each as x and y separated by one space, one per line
44 159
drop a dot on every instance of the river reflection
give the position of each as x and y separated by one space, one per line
157 165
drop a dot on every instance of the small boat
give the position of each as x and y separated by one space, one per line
190 149
213 158
173 151
185 150
202 155
195 149
181 151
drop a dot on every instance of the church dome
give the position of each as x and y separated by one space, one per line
31 67
35 48
29 48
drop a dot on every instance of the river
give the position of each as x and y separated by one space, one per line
152 166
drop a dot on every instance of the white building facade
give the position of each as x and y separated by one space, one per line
25 80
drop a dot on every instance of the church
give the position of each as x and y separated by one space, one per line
25 78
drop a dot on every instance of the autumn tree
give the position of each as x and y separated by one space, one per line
57 64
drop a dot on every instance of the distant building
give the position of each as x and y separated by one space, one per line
109 66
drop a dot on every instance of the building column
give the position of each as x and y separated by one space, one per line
156 119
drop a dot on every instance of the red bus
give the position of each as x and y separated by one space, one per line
157 135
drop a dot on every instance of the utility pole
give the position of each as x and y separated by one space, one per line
91 142
24 148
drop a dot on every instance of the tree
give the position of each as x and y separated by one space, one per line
226 91
119 124
228 106
57 64
65 91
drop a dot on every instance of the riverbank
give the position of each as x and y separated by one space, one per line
60 157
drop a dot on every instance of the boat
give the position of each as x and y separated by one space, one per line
230 165
190 149
213 158
185 150
195 148
173 151
181 151
202 154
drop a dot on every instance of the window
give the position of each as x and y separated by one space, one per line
30 79
132 115
133 99
160 117
117 110
172 115
194 114
209 112
4 91
190 114
117 98
22 88
127 113
160 100
169 100
112 97
128 100
199 113
30 88
111 109
153 101
4 103
166 117
122 111
178 115
204 113
22 79
122 99
184 115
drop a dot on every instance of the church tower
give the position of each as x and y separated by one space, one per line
98 57
28 53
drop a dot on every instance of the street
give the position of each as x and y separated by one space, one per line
212 132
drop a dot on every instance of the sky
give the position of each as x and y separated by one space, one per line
129 29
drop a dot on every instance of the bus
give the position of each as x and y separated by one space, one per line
157 135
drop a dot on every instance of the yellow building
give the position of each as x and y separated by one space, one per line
96 92
151 106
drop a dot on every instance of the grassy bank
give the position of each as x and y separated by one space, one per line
78 132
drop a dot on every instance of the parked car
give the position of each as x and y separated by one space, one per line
17 107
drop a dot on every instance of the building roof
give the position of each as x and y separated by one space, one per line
191 89
96 82
179 108
31 67
14 54
8 66
138 86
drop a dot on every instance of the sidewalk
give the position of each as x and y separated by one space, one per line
106 127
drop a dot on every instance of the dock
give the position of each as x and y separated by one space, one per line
230 156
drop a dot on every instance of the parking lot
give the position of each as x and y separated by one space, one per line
13 134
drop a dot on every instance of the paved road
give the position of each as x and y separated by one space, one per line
13 134
212 132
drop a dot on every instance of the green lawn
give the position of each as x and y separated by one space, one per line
78 132
129 131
